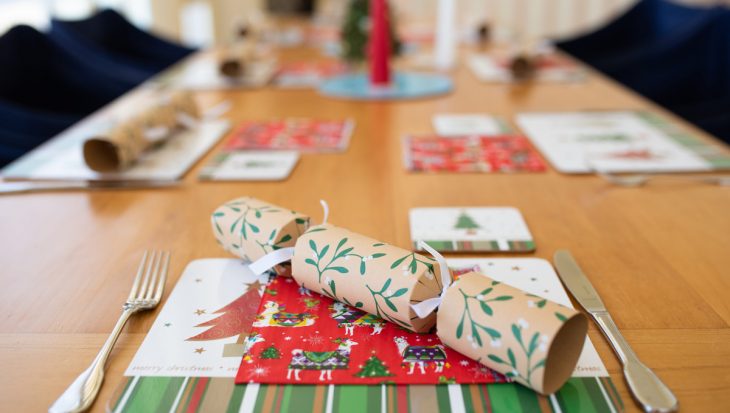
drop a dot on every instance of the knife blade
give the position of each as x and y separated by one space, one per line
648 390
18 187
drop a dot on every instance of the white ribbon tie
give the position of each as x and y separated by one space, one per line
426 307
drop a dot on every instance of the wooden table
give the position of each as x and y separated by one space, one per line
659 255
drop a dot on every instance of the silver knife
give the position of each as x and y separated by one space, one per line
646 387
18 187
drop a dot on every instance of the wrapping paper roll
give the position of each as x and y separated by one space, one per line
250 228
375 277
124 143
532 340
237 57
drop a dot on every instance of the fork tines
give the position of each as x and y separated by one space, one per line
150 281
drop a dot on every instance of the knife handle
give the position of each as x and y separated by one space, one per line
646 387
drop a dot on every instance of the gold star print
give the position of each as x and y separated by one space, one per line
197 280
199 350
515 268
199 312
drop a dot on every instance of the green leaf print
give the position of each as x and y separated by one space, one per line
385 296
341 252
467 316
522 373
412 265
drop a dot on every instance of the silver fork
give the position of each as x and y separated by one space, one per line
145 295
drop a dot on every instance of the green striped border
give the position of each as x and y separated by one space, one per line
712 153
207 172
478 246
204 395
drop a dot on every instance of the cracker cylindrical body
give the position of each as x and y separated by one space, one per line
368 274
250 228
530 339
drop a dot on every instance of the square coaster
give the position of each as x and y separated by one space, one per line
459 124
250 166
488 229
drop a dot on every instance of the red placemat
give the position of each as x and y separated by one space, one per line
304 338
503 153
307 135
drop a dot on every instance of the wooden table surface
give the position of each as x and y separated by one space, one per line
658 255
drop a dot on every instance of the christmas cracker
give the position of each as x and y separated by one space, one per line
250 228
362 272
532 340
121 146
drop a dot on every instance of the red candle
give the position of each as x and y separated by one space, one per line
379 43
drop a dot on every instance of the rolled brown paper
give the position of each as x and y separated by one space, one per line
250 228
365 273
235 59
530 339
124 143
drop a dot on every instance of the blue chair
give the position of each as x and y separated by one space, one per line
688 74
636 29
684 67
44 90
112 39
37 74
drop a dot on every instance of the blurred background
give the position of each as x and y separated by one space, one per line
205 22
673 52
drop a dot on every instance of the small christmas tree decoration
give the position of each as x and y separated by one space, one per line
522 67
374 367
464 221
271 352
356 32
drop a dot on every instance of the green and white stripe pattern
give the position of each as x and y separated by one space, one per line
205 394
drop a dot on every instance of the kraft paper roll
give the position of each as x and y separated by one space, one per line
237 56
530 339
250 228
123 144
365 273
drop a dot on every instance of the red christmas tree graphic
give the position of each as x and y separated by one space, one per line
235 319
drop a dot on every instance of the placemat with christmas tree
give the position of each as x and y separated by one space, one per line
305 338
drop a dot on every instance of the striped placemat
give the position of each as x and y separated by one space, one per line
217 394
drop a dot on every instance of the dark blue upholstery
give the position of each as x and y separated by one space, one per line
35 73
44 90
639 27
109 37
681 59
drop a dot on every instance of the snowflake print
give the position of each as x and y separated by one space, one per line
464 363
316 339
480 371
258 371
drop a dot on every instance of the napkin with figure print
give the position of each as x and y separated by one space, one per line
302 337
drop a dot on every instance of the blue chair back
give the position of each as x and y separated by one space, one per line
36 74
646 22
109 36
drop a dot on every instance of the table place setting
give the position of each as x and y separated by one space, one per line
264 324
148 139
365 206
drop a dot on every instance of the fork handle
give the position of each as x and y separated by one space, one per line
80 395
